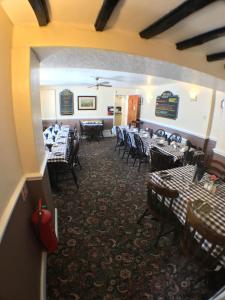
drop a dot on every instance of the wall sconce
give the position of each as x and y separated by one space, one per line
149 99
222 104
194 96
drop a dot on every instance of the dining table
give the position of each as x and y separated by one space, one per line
176 150
58 138
92 129
212 205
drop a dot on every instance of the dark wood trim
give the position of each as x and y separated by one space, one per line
176 15
104 14
209 146
20 250
201 38
195 140
218 157
215 56
204 143
108 122
41 11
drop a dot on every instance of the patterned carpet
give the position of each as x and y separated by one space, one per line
103 253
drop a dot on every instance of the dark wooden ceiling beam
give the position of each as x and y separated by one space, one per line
105 13
41 11
201 39
215 56
176 15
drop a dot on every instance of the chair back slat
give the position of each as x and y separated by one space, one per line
202 228
175 137
157 192
125 137
139 144
160 132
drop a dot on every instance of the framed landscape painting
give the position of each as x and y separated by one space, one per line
87 102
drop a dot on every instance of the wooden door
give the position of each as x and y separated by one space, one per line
133 108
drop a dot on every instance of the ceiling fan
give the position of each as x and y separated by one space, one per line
100 83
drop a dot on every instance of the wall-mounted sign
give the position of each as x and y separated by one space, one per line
167 105
66 103
110 110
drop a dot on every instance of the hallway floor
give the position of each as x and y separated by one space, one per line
102 252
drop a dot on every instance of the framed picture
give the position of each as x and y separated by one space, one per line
87 102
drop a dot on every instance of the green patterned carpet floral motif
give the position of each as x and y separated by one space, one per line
103 254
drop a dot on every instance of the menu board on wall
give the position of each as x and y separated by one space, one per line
167 105
66 102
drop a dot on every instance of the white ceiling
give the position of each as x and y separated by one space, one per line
85 77
130 69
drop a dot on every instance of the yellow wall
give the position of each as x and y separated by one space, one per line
36 108
218 124
59 34
27 112
10 168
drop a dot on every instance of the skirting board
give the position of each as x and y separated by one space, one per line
176 128
219 151
43 276
43 284
56 223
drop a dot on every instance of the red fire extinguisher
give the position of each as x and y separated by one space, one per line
42 219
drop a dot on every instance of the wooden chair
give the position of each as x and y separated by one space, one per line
195 225
140 153
102 128
188 154
128 147
190 246
175 137
82 131
119 139
93 132
160 161
76 161
217 168
159 206
131 150
160 132
64 167
150 131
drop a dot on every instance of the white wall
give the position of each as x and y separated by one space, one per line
218 124
36 108
105 98
193 116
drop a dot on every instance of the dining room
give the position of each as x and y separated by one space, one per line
113 165
170 148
